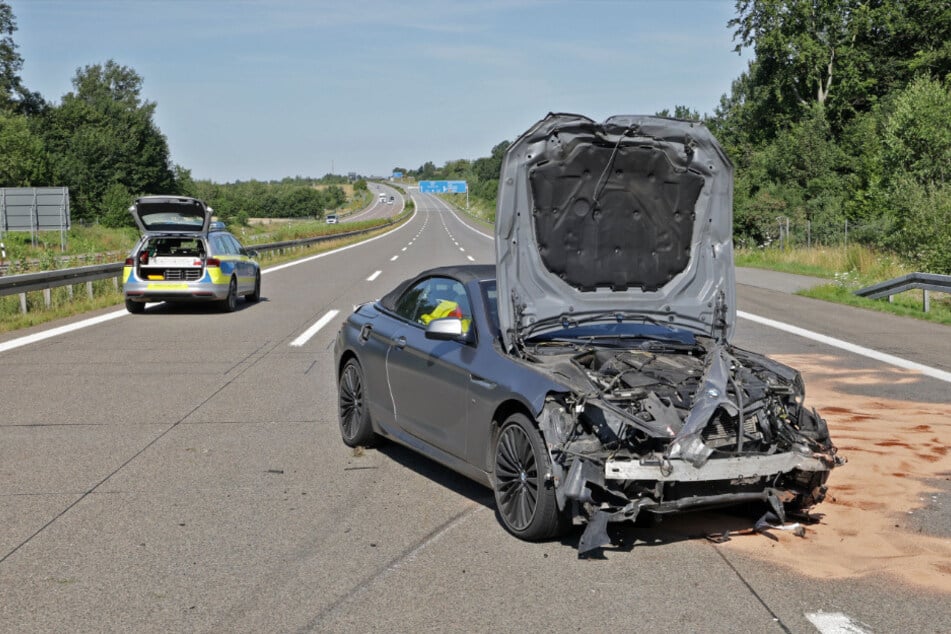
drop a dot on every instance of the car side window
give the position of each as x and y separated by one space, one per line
235 245
434 298
220 245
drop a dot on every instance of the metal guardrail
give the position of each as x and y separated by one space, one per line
924 281
47 280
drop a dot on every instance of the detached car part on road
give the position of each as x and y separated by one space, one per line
589 376
185 257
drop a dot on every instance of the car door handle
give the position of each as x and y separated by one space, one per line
400 342
478 380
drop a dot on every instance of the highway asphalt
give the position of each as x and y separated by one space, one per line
181 471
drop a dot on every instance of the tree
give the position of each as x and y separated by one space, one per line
103 134
843 55
917 135
427 171
22 155
14 97
681 112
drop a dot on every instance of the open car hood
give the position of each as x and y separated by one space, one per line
171 214
632 216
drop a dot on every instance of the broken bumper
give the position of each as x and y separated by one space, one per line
734 468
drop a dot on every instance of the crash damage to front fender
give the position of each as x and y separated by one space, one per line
652 444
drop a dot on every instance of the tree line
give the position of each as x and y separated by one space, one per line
842 119
101 141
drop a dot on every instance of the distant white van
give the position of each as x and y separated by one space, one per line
331 219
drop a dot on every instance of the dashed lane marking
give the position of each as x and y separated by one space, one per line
835 623
310 332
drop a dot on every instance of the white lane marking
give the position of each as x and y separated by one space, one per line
835 623
92 321
850 347
461 249
326 253
374 276
471 259
310 332
394 258
47 334
455 215
403 249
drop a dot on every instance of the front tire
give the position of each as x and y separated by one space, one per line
524 493
355 427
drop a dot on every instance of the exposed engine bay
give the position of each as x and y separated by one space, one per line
665 427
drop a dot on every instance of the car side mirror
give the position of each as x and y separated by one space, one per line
447 329
251 253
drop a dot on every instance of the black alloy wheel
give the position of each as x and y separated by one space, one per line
524 494
355 427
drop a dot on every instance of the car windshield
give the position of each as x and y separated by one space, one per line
174 247
605 331
490 292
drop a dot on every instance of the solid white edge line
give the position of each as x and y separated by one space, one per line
850 347
310 332
92 321
287 265
373 276
467 226
61 330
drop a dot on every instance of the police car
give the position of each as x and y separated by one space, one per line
185 257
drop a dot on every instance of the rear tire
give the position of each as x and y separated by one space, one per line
354 417
524 492
136 308
230 304
255 295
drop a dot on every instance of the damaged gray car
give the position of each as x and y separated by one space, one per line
589 377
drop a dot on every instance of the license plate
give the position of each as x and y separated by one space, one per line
167 286
173 261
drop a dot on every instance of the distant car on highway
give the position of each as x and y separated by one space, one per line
331 219
185 257
589 375
391 199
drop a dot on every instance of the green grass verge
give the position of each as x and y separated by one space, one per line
849 268
106 294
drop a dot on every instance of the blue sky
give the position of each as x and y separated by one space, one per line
250 89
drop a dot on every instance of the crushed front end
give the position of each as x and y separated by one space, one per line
662 431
